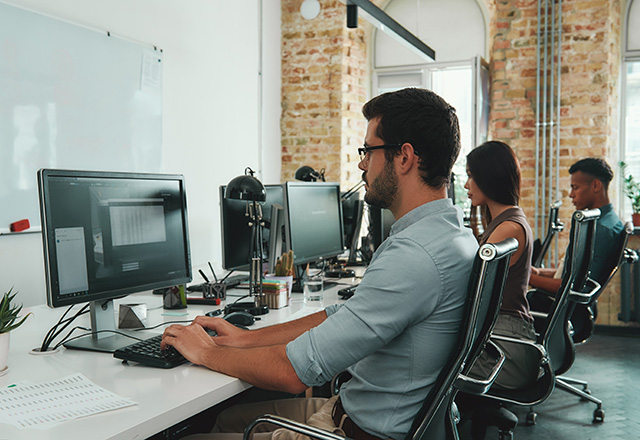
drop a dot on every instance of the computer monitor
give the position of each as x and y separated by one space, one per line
313 220
352 210
380 222
109 234
236 232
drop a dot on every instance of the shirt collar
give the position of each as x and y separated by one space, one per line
419 213
605 209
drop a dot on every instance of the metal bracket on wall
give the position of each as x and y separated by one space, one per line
385 23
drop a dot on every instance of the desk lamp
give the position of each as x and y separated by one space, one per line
307 174
249 188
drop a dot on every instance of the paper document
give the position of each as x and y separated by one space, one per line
43 405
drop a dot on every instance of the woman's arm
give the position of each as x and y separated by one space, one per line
506 230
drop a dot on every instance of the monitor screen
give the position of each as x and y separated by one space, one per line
236 232
352 210
106 235
313 220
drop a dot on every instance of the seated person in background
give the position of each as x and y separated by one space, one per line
494 185
590 179
398 330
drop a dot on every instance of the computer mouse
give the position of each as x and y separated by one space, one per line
240 318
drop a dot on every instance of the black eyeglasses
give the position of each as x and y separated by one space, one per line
364 151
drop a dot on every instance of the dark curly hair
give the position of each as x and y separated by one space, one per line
427 122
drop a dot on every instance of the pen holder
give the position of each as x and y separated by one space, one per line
174 298
215 290
288 280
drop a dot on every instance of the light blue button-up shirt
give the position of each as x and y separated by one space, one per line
398 330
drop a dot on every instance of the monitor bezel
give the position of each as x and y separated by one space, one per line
48 239
288 238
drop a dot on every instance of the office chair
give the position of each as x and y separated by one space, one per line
554 226
584 315
437 418
554 344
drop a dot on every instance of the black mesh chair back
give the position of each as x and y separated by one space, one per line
554 226
554 346
621 254
555 332
484 298
583 317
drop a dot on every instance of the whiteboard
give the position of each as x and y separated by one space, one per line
74 98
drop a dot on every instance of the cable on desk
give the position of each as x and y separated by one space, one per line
91 333
161 324
55 331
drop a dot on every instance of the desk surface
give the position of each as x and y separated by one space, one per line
164 397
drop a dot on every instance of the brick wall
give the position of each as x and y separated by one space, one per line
324 78
589 98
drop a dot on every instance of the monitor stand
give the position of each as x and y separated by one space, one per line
103 325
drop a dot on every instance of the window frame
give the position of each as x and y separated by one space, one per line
628 55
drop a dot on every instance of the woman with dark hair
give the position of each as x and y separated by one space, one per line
493 185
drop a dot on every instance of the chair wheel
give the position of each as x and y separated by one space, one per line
531 418
598 415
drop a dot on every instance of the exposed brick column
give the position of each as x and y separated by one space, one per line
323 88
589 97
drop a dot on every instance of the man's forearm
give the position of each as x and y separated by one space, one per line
551 285
264 367
282 333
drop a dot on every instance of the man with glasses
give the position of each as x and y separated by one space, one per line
398 330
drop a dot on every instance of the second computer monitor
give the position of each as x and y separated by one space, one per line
313 220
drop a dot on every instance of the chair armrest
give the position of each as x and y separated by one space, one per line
585 297
292 425
338 380
471 385
538 315
630 256
541 350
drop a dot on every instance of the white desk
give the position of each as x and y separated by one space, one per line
164 397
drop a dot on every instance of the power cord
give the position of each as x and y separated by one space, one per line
60 326
90 332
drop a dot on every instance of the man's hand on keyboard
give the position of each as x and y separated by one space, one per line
192 341
228 334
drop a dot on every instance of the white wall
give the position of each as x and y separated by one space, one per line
211 107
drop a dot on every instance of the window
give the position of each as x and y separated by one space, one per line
464 85
630 153
456 30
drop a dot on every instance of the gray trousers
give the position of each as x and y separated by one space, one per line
312 411
522 362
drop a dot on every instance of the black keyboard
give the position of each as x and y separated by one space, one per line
148 352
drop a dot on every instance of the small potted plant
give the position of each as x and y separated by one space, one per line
9 320
632 191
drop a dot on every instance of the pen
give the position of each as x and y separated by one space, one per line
212 271
203 275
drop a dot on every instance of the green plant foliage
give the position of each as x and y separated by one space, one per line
9 313
631 189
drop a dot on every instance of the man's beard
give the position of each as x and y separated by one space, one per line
382 191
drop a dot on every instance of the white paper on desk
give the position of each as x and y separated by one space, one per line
43 405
